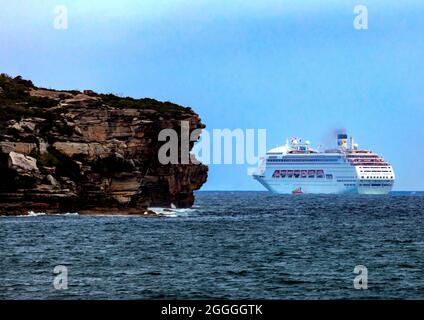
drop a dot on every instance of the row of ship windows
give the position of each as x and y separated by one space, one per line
379 177
370 164
327 176
374 167
368 185
301 160
319 174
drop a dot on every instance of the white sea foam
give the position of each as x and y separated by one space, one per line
69 214
168 212
37 214
174 212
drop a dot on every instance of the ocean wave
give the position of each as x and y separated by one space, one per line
174 212
35 214
167 212
38 214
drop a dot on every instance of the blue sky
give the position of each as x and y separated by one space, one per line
295 68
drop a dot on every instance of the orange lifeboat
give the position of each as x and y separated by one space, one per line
297 191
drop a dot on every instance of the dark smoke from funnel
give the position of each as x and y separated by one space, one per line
329 140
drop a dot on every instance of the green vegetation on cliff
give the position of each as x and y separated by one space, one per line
16 102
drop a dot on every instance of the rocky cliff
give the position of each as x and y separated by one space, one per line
67 151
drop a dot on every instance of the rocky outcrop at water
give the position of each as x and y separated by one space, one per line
68 151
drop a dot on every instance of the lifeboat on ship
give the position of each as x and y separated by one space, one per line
297 191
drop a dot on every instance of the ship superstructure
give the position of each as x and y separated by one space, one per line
344 169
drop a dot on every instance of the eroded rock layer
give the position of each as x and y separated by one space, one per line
67 151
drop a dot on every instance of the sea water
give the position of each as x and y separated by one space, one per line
231 245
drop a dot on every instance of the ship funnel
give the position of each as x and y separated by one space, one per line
342 140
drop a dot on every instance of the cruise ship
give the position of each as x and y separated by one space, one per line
297 168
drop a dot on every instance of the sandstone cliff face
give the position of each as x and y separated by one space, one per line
67 151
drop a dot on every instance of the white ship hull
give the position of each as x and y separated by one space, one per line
297 168
313 187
